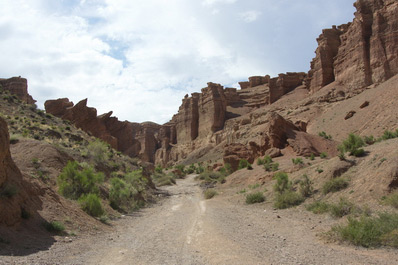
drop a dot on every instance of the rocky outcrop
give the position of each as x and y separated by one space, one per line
258 80
19 87
322 66
244 84
133 139
12 194
235 152
254 81
281 133
212 109
284 84
187 119
360 53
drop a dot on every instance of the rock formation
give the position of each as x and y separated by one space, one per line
13 197
19 87
283 84
133 139
352 55
360 53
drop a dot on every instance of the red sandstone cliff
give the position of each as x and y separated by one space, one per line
360 53
19 87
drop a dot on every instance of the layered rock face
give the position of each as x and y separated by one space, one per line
322 66
133 139
360 53
283 84
12 195
212 108
19 87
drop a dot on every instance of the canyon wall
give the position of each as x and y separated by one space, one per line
19 87
354 55
360 53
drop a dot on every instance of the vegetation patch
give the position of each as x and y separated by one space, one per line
343 208
335 185
243 163
306 188
325 135
127 191
54 226
209 193
288 199
74 182
392 200
256 197
352 145
318 207
91 204
297 161
370 231
212 177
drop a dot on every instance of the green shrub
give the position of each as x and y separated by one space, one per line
243 163
369 140
180 168
335 185
392 200
260 161
312 156
306 188
73 182
370 231
269 165
210 193
91 204
318 207
54 226
191 169
159 169
98 150
323 155
282 182
297 161
200 169
256 197
14 138
287 199
352 144
119 194
389 135
212 177
324 135
342 208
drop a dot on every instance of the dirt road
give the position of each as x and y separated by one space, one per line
186 229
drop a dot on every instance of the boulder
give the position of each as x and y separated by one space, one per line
233 153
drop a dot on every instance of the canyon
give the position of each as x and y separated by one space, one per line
350 57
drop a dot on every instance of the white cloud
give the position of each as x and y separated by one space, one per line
212 2
139 58
249 16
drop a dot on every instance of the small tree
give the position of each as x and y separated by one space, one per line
352 144
282 182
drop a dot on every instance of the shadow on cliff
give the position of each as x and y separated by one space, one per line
28 235
27 238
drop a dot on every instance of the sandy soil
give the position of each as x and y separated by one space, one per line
186 229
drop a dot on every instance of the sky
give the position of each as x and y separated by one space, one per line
138 58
